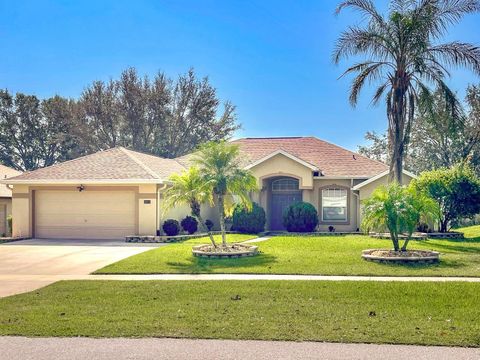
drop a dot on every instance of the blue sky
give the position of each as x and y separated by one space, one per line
270 58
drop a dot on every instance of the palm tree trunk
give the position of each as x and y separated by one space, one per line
394 237
205 229
404 247
195 208
396 113
221 210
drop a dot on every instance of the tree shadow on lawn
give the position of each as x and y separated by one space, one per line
454 246
203 265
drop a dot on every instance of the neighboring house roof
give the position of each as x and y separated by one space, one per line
330 159
379 176
6 172
114 165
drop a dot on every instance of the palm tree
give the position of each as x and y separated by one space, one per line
404 58
191 189
220 165
398 209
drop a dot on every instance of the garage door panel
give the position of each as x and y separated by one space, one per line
94 214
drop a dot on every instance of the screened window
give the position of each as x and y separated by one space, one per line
334 204
285 185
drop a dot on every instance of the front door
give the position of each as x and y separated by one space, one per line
280 201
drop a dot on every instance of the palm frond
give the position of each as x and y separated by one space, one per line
366 7
458 54
371 72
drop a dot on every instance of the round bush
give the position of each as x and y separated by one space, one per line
209 224
300 217
249 222
189 224
171 227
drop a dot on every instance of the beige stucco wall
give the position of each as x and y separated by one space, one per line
145 199
281 165
366 191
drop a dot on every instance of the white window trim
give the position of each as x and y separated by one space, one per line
346 206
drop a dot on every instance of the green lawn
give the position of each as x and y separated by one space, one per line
326 255
409 313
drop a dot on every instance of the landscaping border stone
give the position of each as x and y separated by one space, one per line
415 236
168 239
315 233
4 240
447 235
249 250
428 257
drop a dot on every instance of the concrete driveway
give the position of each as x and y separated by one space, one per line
30 264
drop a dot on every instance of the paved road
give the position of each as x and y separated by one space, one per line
20 348
30 264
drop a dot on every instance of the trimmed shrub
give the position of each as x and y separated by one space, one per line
209 224
300 217
9 223
171 227
189 224
249 222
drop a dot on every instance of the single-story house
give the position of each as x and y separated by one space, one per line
118 192
5 199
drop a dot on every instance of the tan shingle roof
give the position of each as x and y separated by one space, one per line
331 159
113 164
123 164
6 172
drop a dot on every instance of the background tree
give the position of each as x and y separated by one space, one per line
220 165
160 116
404 59
36 133
456 190
440 138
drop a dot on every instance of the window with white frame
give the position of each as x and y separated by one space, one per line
334 204
285 185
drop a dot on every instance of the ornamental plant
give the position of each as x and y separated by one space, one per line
456 191
189 224
225 178
300 217
397 209
249 221
171 227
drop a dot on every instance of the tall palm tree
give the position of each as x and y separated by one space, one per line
189 188
404 57
220 164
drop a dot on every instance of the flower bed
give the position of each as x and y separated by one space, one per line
230 251
401 257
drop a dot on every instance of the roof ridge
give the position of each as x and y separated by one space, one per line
139 162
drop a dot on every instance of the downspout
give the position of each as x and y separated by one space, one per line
159 189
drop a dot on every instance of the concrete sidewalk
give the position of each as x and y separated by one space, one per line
244 277
20 348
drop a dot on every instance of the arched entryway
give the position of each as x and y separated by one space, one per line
284 192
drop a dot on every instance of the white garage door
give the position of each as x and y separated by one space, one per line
84 215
